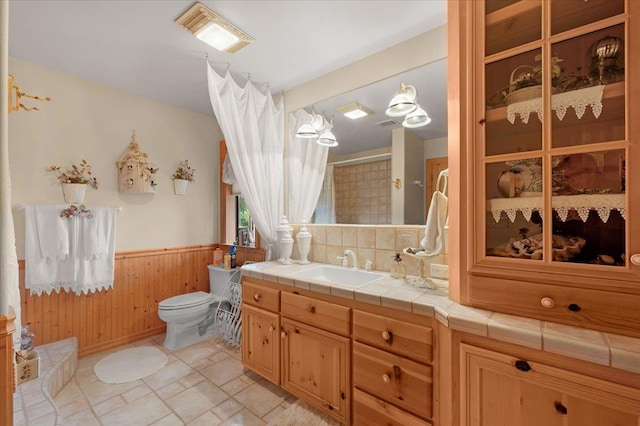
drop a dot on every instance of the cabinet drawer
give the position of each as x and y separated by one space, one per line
324 315
393 378
411 340
369 410
600 310
261 296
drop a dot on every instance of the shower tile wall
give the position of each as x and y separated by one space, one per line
363 193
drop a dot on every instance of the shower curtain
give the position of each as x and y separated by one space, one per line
326 207
253 127
307 163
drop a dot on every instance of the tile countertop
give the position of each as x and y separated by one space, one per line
616 351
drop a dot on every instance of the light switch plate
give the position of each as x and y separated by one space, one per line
439 271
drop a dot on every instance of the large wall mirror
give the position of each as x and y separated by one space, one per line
375 152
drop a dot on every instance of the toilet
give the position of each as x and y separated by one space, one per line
189 316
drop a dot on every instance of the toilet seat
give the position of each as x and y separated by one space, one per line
188 300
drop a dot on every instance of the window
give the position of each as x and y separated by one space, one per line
245 228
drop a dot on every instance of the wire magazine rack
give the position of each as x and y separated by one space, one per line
227 319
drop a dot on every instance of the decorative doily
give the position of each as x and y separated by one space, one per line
562 204
560 102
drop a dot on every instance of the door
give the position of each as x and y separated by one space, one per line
432 169
315 367
260 343
500 390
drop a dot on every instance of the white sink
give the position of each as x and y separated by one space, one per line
345 277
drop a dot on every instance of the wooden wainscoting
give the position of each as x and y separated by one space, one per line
7 382
127 312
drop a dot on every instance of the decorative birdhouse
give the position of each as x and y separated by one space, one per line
135 171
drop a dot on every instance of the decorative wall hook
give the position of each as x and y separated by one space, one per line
397 182
15 96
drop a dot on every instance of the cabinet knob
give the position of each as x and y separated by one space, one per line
312 309
547 302
256 297
386 378
283 334
635 259
271 328
387 336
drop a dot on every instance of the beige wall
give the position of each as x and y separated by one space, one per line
94 122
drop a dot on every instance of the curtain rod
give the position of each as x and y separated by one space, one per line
355 160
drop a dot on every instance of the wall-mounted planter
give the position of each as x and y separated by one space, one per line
180 186
74 192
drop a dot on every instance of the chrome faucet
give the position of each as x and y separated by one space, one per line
353 256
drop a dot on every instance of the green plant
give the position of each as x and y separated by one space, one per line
184 171
76 174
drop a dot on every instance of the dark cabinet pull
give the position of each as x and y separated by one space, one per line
522 365
560 408
313 309
574 308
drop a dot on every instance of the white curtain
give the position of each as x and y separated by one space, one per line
307 163
326 208
253 127
9 289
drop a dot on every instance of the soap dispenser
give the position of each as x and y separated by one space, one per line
398 269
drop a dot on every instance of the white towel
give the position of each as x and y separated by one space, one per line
433 242
96 231
45 274
52 232
96 251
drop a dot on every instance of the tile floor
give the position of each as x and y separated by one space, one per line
202 384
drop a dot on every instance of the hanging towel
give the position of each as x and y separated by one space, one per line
52 232
433 241
96 251
45 273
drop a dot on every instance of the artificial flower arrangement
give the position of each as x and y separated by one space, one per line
76 174
76 211
184 171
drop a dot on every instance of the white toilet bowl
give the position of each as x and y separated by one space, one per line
185 312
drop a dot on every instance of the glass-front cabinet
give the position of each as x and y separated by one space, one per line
555 101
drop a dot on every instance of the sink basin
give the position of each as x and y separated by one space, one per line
345 277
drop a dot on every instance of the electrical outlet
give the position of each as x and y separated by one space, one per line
439 271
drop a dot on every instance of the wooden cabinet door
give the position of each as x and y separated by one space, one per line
260 342
500 390
316 366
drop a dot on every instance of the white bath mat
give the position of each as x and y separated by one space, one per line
301 413
129 365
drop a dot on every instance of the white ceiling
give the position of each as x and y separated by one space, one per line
135 45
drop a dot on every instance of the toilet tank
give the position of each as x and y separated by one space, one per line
218 278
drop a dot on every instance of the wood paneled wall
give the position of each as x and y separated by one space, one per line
7 383
129 311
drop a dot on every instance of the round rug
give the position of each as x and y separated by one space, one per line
129 365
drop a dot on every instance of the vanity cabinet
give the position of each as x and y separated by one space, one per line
549 159
261 329
392 377
502 390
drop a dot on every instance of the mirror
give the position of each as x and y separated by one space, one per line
374 151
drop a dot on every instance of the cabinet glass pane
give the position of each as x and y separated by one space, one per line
511 23
588 77
514 200
512 84
589 207
569 14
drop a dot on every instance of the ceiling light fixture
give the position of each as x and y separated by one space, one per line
416 118
403 102
354 110
313 128
213 29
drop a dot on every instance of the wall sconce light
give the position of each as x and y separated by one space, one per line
327 138
397 183
416 118
403 102
213 29
318 127
15 98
